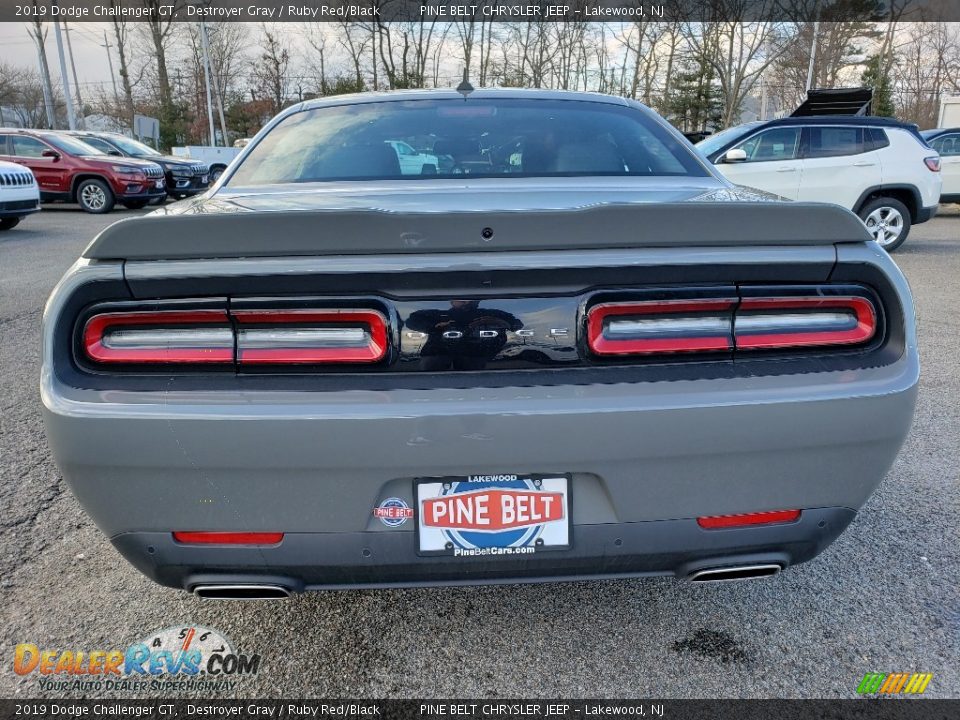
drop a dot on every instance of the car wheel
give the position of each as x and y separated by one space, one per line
95 197
888 221
135 204
215 173
8 223
174 196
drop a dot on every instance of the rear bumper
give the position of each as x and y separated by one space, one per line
926 213
333 561
646 460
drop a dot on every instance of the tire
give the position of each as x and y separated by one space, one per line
888 221
175 196
135 204
95 197
215 172
9 223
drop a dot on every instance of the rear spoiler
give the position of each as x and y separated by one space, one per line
378 232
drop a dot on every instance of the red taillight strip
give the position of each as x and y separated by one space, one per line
602 345
771 517
372 349
228 538
863 309
98 326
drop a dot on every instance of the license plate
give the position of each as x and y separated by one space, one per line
159 184
203 178
492 515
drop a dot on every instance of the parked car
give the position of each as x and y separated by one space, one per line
414 162
879 168
183 177
946 141
309 378
19 194
68 170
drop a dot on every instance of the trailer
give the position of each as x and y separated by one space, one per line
949 111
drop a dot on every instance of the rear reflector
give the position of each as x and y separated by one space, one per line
772 517
310 336
660 326
785 322
173 336
228 538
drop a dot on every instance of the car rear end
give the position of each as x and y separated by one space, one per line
911 165
506 380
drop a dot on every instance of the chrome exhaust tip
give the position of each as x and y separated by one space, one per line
242 592
735 572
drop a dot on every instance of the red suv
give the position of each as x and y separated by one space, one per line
68 170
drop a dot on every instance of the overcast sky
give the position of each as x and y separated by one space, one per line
17 48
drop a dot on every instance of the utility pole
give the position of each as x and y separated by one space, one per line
216 82
113 78
73 67
71 118
38 36
813 55
206 77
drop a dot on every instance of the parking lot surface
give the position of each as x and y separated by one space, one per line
884 598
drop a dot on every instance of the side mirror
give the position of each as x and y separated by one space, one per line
736 155
51 154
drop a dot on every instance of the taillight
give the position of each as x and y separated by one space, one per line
169 336
932 163
228 538
296 336
791 322
757 321
770 517
660 326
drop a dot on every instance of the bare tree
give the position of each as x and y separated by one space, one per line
120 34
738 50
270 71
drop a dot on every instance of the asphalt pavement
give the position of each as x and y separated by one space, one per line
883 598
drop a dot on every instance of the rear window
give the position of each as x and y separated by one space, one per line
834 141
456 138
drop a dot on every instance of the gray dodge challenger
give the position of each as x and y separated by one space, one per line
433 337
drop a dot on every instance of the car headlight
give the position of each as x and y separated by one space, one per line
126 170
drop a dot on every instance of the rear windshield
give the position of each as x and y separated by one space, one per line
400 140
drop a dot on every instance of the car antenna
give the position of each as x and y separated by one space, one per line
465 88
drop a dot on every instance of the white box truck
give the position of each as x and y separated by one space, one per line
218 158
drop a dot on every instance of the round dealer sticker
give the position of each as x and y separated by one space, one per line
393 512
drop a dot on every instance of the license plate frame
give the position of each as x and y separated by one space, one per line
532 538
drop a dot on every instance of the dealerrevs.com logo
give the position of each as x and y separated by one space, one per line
181 657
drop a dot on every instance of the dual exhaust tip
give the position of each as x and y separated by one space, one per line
246 591
735 572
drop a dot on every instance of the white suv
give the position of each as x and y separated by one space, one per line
879 168
19 194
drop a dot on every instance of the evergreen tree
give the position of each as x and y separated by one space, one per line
876 77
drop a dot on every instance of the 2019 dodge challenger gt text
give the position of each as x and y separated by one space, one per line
569 349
